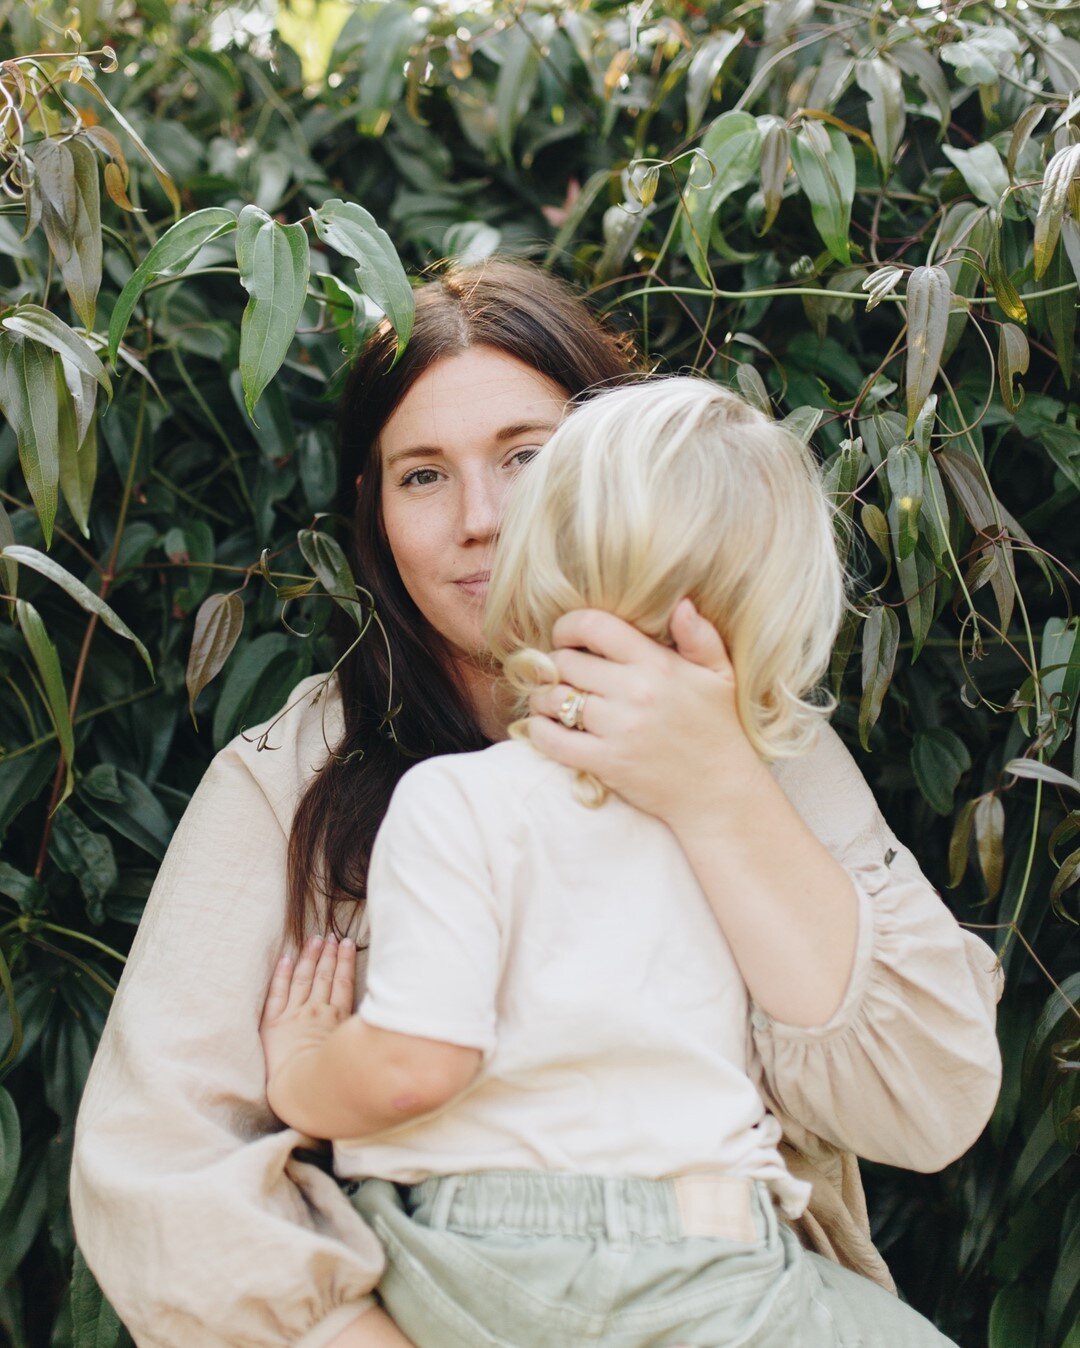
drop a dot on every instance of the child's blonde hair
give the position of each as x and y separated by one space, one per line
666 488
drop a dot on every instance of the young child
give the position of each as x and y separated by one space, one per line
549 1088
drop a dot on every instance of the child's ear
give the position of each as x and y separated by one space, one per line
359 479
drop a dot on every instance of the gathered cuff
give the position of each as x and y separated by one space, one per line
868 943
334 1322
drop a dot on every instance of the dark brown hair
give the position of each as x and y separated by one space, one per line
515 308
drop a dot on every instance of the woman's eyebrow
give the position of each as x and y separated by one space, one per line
501 435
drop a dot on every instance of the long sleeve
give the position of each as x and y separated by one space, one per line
908 1069
201 1228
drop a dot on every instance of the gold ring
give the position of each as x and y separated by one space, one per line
572 709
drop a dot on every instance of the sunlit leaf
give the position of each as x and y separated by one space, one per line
273 263
825 166
928 295
353 232
171 254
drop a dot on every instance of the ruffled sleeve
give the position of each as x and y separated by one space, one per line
200 1225
907 1070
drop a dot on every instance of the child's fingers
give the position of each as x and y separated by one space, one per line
343 990
304 972
324 972
277 997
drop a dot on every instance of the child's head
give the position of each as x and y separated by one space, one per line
667 488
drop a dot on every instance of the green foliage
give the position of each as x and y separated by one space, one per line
865 217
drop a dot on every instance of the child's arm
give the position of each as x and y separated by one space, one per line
332 1075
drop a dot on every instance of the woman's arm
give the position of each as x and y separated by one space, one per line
664 733
874 1011
197 1221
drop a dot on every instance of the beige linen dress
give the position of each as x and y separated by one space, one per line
204 1230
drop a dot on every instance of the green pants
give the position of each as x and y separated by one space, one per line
515 1259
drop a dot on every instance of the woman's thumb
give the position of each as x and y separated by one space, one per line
695 638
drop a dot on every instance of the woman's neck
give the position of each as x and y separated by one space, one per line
479 682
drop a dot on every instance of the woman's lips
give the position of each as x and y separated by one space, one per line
475 585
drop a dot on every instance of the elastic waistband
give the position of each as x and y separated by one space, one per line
616 1206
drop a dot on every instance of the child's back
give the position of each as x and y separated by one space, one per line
575 948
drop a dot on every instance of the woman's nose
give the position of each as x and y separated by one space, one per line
481 505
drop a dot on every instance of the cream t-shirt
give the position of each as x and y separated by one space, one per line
576 949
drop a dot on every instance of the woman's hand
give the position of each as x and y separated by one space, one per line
660 725
304 1005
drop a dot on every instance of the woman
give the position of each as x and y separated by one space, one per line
199 1223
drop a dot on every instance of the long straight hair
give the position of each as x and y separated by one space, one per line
512 307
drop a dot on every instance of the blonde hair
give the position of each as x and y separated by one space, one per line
670 487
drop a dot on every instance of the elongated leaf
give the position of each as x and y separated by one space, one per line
52 681
354 233
86 855
1031 767
905 473
990 841
10 1144
124 802
274 266
825 166
52 570
880 81
881 640
1057 180
67 176
960 842
982 170
775 162
939 758
40 325
1005 292
94 1322
9 572
1060 310
218 625
914 59
1014 355
928 294
389 40
732 146
170 255
326 559
29 374
1025 125
77 446
518 74
703 77
1014 1318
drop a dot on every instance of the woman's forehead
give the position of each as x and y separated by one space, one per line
475 395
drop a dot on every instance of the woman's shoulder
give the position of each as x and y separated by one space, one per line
828 789
284 752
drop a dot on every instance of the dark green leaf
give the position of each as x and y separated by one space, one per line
939 758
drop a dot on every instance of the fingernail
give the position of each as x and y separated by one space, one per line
347 943
331 939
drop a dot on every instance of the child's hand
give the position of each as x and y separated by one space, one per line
305 1004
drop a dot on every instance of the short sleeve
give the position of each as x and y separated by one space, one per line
434 962
907 1070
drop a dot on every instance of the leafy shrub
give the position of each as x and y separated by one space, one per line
864 216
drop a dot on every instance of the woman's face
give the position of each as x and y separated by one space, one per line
447 455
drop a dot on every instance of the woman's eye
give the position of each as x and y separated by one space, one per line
420 477
522 456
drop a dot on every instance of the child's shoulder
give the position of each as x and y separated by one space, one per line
501 770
